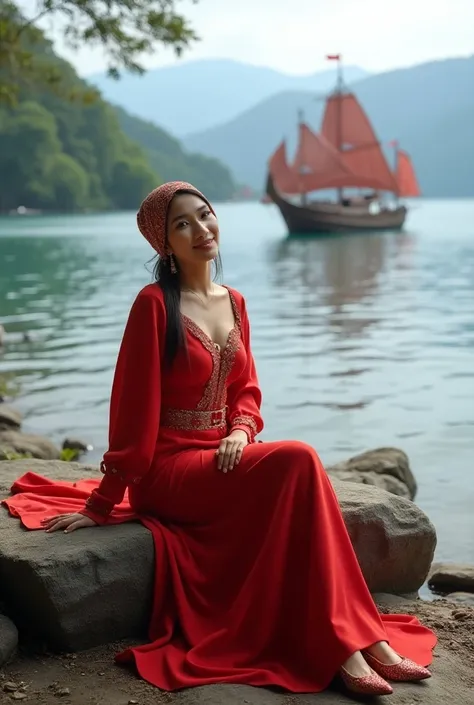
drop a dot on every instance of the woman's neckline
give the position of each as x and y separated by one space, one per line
203 336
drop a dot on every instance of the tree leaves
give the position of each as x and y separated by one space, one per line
125 30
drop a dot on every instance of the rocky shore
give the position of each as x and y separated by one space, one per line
66 602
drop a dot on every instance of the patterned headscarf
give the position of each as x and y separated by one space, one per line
153 214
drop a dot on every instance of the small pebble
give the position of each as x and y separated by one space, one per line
460 614
10 687
61 692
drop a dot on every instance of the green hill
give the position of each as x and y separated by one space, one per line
168 158
62 151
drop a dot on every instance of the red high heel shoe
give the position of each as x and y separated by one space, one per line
365 685
406 670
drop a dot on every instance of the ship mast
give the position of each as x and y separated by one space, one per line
302 168
339 93
394 144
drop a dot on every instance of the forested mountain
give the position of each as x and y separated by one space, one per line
64 149
168 158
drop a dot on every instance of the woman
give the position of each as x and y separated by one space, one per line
266 588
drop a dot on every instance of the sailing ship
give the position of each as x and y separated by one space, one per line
345 154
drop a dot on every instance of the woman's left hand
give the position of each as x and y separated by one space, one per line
230 450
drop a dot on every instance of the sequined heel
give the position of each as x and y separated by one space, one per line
372 684
406 670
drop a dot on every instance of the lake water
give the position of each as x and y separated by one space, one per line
360 341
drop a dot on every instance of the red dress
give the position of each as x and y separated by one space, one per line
256 578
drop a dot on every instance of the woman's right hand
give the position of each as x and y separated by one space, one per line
67 522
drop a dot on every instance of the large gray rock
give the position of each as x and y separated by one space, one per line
10 418
27 444
95 586
8 639
386 468
393 538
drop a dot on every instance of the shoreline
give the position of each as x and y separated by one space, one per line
91 677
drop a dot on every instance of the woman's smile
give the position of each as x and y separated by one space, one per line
205 244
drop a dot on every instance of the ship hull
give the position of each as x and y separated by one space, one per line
324 217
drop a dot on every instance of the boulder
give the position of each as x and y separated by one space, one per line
10 418
393 538
95 586
76 444
27 444
452 577
8 639
386 468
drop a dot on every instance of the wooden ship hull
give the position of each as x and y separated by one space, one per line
324 217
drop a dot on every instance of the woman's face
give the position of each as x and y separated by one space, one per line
193 231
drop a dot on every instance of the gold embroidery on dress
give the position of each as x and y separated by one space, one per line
206 401
245 421
215 391
193 420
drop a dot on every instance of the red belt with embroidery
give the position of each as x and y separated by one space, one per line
193 420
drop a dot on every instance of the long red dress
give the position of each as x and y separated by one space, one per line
256 578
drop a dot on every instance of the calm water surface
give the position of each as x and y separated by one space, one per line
360 341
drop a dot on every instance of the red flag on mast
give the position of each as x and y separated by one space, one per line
333 57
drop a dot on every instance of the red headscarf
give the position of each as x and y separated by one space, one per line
153 214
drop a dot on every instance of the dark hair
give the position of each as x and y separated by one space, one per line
170 283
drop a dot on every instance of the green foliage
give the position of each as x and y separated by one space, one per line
168 158
68 182
9 387
69 455
63 148
68 159
11 455
124 30
28 61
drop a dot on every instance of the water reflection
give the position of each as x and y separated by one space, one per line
333 273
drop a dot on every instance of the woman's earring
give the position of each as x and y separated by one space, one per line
172 265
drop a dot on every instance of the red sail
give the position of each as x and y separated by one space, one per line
407 183
317 164
345 122
283 176
369 164
347 127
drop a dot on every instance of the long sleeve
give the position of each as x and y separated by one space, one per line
134 406
244 397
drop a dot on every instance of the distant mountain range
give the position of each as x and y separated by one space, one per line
429 108
197 95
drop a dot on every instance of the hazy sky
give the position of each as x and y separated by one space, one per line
295 36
